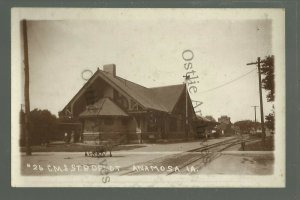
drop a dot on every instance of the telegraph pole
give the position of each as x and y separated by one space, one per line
254 112
187 77
26 89
258 62
255 117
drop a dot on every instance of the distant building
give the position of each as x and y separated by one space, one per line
224 119
225 126
258 130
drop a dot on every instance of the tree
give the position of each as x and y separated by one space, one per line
246 125
267 69
270 119
43 126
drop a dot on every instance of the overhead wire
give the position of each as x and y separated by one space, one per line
224 84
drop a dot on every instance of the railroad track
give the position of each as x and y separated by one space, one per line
203 155
207 153
217 144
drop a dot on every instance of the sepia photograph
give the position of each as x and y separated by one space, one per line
120 97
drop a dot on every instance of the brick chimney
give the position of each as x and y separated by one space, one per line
110 68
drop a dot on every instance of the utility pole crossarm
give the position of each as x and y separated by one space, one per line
253 63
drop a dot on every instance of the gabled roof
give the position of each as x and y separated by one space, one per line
168 95
158 98
103 107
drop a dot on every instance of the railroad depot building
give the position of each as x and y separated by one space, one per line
109 107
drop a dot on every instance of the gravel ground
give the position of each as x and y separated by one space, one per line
75 163
237 164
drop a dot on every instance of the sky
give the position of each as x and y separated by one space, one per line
149 52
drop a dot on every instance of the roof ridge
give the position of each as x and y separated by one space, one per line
118 77
168 86
147 97
132 82
148 100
